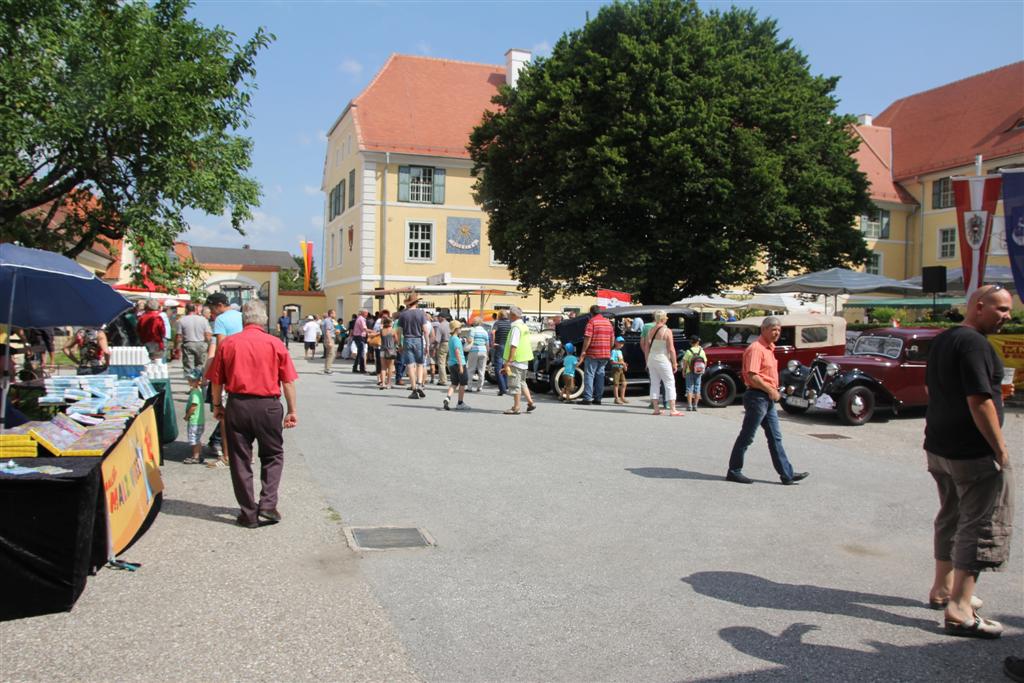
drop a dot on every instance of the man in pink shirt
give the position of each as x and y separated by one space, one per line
359 338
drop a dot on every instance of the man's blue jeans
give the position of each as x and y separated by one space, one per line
593 378
499 365
760 412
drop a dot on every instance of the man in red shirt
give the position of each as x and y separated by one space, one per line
254 367
596 351
761 375
152 329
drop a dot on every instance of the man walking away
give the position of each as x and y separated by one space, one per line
310 333
194 336
761 375
968 458
517 354
255 368
412 322
499 332
284 325
329 329
596 351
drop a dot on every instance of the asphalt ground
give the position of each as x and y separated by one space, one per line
575 543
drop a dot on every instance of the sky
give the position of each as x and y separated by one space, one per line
327 51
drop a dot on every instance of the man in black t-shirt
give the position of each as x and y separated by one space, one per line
968 458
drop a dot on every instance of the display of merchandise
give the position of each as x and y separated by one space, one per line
128 355
156 370
17 442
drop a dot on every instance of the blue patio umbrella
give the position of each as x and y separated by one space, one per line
42 289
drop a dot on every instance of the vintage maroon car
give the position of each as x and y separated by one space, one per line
803 338
884 368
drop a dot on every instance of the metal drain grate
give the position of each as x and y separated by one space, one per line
387 538
828 436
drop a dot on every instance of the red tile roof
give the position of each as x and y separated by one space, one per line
947 126
875 159
423 105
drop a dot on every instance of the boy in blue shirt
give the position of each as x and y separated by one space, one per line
618 367
457 367
569 364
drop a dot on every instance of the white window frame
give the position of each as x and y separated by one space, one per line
421 190
940 243
873 229
408 241
881 263
495 262
333 235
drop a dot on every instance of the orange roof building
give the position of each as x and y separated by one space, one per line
400 209
911 150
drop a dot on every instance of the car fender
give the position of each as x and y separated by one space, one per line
839 385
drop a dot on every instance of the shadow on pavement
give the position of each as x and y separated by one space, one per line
673 473
754 591
797 660
210 513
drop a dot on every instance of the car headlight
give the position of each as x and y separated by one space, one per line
792 365
831 369
790 389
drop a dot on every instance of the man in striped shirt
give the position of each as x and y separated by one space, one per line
597 350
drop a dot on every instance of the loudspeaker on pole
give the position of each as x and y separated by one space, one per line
933 279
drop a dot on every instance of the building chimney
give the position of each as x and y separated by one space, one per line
864 119
515 60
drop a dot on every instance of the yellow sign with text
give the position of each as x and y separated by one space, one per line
1010 348
131 480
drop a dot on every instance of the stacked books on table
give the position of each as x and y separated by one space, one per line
98 394
17 442
63 436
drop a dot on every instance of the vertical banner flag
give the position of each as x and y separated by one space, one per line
976 199
309 262
1013 216
302 253
609 298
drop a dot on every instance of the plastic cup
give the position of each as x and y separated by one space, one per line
1007 385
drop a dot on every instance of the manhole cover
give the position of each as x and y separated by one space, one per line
387 538
829 436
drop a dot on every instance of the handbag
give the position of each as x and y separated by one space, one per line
373 339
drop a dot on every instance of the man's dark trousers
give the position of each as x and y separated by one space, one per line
359 362
260 419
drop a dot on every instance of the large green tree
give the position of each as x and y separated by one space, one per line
115 117
666 151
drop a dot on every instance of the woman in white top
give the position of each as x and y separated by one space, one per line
660 352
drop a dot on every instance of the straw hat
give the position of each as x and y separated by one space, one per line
412 299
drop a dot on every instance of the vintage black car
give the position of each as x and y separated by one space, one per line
546 370
884 368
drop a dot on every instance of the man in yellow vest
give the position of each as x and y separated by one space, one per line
517 355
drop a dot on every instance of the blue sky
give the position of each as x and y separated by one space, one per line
327 51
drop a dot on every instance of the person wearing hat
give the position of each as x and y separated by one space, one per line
310 334
195 420
517 354
456 358
618 365
415 329
694 362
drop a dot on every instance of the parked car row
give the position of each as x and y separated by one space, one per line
819 367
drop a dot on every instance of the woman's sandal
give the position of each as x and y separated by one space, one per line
193 461
976 628
511 411
676 412
976 603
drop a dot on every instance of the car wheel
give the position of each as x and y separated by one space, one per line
856 406
793 410
719 391
556 383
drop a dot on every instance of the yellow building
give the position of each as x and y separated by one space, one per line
400 210
911 151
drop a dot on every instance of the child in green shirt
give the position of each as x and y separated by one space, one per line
194 417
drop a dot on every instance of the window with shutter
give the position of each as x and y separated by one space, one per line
403 183
438 186
351 188
341 197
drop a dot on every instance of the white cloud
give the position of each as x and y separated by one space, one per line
541 49
317 222
264 231
310 190
423 47
321 135
350 67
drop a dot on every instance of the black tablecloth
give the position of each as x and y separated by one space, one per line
52 535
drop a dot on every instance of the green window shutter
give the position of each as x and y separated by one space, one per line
330 206
403 183
351 188
341 197
439 186
937 194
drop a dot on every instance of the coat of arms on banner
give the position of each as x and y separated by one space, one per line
974 226
463 235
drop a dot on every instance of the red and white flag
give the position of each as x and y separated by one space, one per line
609 298
976 199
